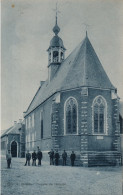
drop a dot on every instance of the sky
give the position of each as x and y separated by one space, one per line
25 37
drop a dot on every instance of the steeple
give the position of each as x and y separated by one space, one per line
56 50
56 28
86 33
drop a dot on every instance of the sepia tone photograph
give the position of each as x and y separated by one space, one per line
61 97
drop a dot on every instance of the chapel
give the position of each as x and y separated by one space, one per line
76 108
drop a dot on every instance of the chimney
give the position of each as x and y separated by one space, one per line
24 113
41 83
20 120
15 122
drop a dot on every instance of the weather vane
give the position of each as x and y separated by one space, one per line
56 10
87 26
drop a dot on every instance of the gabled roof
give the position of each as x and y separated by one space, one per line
81 68
4 132
12 130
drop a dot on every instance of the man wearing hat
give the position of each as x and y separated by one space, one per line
8 158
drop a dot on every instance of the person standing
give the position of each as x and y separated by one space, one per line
57 156
72 157
34 157
51 155
8 158
64 157
28 157
39 156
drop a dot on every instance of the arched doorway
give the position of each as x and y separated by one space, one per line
14 149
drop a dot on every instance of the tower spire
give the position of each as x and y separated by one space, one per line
56 50
56 13
86 33
56 28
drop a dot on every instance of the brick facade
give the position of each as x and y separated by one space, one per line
90 149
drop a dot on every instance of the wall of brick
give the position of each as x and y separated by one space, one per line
85 141
4 145
97 144
44 143
69 142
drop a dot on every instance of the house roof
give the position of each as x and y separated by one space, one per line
4 132
81 68
12 130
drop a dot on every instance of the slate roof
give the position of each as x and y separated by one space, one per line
12 130
81 68
56 41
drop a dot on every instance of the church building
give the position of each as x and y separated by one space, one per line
76 108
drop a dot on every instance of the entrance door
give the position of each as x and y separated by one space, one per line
14 149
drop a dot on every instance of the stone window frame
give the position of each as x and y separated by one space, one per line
65 133
42 123
105 115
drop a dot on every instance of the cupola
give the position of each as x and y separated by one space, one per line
56 52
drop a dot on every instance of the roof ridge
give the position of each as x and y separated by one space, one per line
98 61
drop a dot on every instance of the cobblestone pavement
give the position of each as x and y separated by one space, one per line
52 180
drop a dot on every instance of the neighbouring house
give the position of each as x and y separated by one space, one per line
14 139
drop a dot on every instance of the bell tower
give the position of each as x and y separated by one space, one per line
56 52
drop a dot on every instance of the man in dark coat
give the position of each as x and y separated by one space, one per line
39 156
64 157
57 158
28 157
51 155
8 158
34 157
72 157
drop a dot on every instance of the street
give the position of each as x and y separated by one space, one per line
59 180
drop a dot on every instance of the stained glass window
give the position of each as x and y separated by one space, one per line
71 116
99 115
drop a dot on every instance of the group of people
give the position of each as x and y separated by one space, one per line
35 156
54 157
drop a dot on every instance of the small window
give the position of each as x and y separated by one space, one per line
62 56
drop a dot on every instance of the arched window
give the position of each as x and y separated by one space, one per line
71 116
99 111
42 123
62 56
55 56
